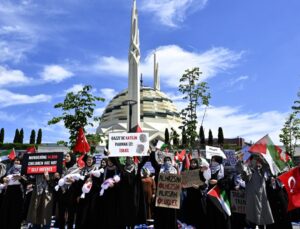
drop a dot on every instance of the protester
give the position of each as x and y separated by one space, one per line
41 204
90 187
12 204
67 194
258 210
163 217
149 188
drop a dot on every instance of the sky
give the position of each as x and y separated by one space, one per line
248 53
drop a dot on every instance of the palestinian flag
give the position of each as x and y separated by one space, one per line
222 198
271 153
8 155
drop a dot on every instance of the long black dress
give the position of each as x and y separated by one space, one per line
107 207
132 201
12 204
164 218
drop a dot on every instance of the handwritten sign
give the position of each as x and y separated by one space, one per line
191 178
128 144
38 163
168 191
238 201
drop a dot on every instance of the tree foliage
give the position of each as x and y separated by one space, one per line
2 135
32 137
175 138
39 137
167 137
17 136
202 137
220 137
183 138
77 111
210 140
93 140
193 91
21 136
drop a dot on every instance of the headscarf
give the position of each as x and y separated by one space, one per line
72 161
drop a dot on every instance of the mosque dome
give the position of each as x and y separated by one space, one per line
157 113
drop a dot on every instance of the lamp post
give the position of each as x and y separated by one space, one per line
130 103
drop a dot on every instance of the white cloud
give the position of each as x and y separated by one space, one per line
75 88
8 98
172 12
7 117
55 73
108 93
211 62
238 80
10 76
250 126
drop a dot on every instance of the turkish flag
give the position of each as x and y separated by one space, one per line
81 146
291 181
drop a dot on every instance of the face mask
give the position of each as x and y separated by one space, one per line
17 166
168 163
214 163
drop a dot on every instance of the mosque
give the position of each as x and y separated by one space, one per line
140 107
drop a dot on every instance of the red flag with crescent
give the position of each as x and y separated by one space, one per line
82 145
291 181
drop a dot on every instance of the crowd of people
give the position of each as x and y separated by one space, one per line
119 195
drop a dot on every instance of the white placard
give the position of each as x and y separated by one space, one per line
128 144
214 151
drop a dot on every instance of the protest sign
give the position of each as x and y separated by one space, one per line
168 191
230 158
190 178
160 155
238 201
214 151
39 163
128 144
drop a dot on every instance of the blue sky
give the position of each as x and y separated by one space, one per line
248 52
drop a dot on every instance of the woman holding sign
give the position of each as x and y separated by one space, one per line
163 217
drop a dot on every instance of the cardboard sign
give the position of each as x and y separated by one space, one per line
128 144
38 163
231 158
214 151
191 178
238 201
168 191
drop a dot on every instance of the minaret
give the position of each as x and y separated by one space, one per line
133 73
156 76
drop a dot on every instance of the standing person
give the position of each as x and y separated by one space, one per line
164 217
258 210
67 194
107 204
278 199
217 217
12 204
41 204
149 188
194 204
2 186
84 210
132 202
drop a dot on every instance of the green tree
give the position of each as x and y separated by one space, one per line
175 138
93 140
290 133
2 135
220 137
62 142
32 137
202 138
17 136
78 109
39 137
167 137
21 136
210 140
192 91
183 138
